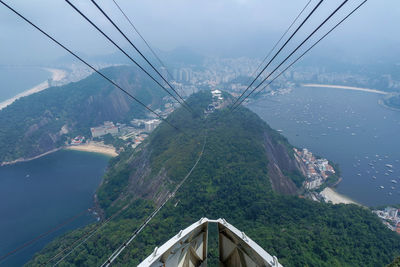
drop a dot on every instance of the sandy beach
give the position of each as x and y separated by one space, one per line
92 147
57 75
331 195
95 148
345 88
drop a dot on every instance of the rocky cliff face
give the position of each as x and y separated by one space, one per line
140 185
280 164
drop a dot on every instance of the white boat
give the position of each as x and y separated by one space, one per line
389 165
394 181
382 187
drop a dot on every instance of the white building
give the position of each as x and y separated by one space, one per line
150 125
312 184
216 93
392 212
107 128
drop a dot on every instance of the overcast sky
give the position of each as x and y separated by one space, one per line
212 27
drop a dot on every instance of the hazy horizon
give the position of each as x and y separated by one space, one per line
215 28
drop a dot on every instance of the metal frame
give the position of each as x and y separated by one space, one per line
189 248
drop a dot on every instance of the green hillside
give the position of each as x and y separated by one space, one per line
33 125
231 181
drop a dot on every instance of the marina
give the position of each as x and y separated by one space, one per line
325 120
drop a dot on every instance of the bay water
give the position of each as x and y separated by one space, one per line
38 195
17 79
348 127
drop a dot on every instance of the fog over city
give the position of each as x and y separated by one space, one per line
224 28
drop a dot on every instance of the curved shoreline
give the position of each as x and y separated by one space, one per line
94 148
57 75
352 88
330 195
90 148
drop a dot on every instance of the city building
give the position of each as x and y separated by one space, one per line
183 75
392 212
137 123
317 170
390 218
312 184
217 94
150 125
107 128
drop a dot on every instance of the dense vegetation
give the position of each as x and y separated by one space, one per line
32 125
231 181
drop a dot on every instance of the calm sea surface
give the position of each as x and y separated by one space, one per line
15 80
347 127
38 195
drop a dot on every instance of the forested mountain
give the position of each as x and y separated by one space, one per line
233 180
43 121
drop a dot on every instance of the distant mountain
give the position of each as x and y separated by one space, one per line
245 167
43 121
175 58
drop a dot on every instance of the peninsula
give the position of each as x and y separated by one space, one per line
57 75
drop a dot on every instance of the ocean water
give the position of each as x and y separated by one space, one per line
347 127
38 195
15 80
